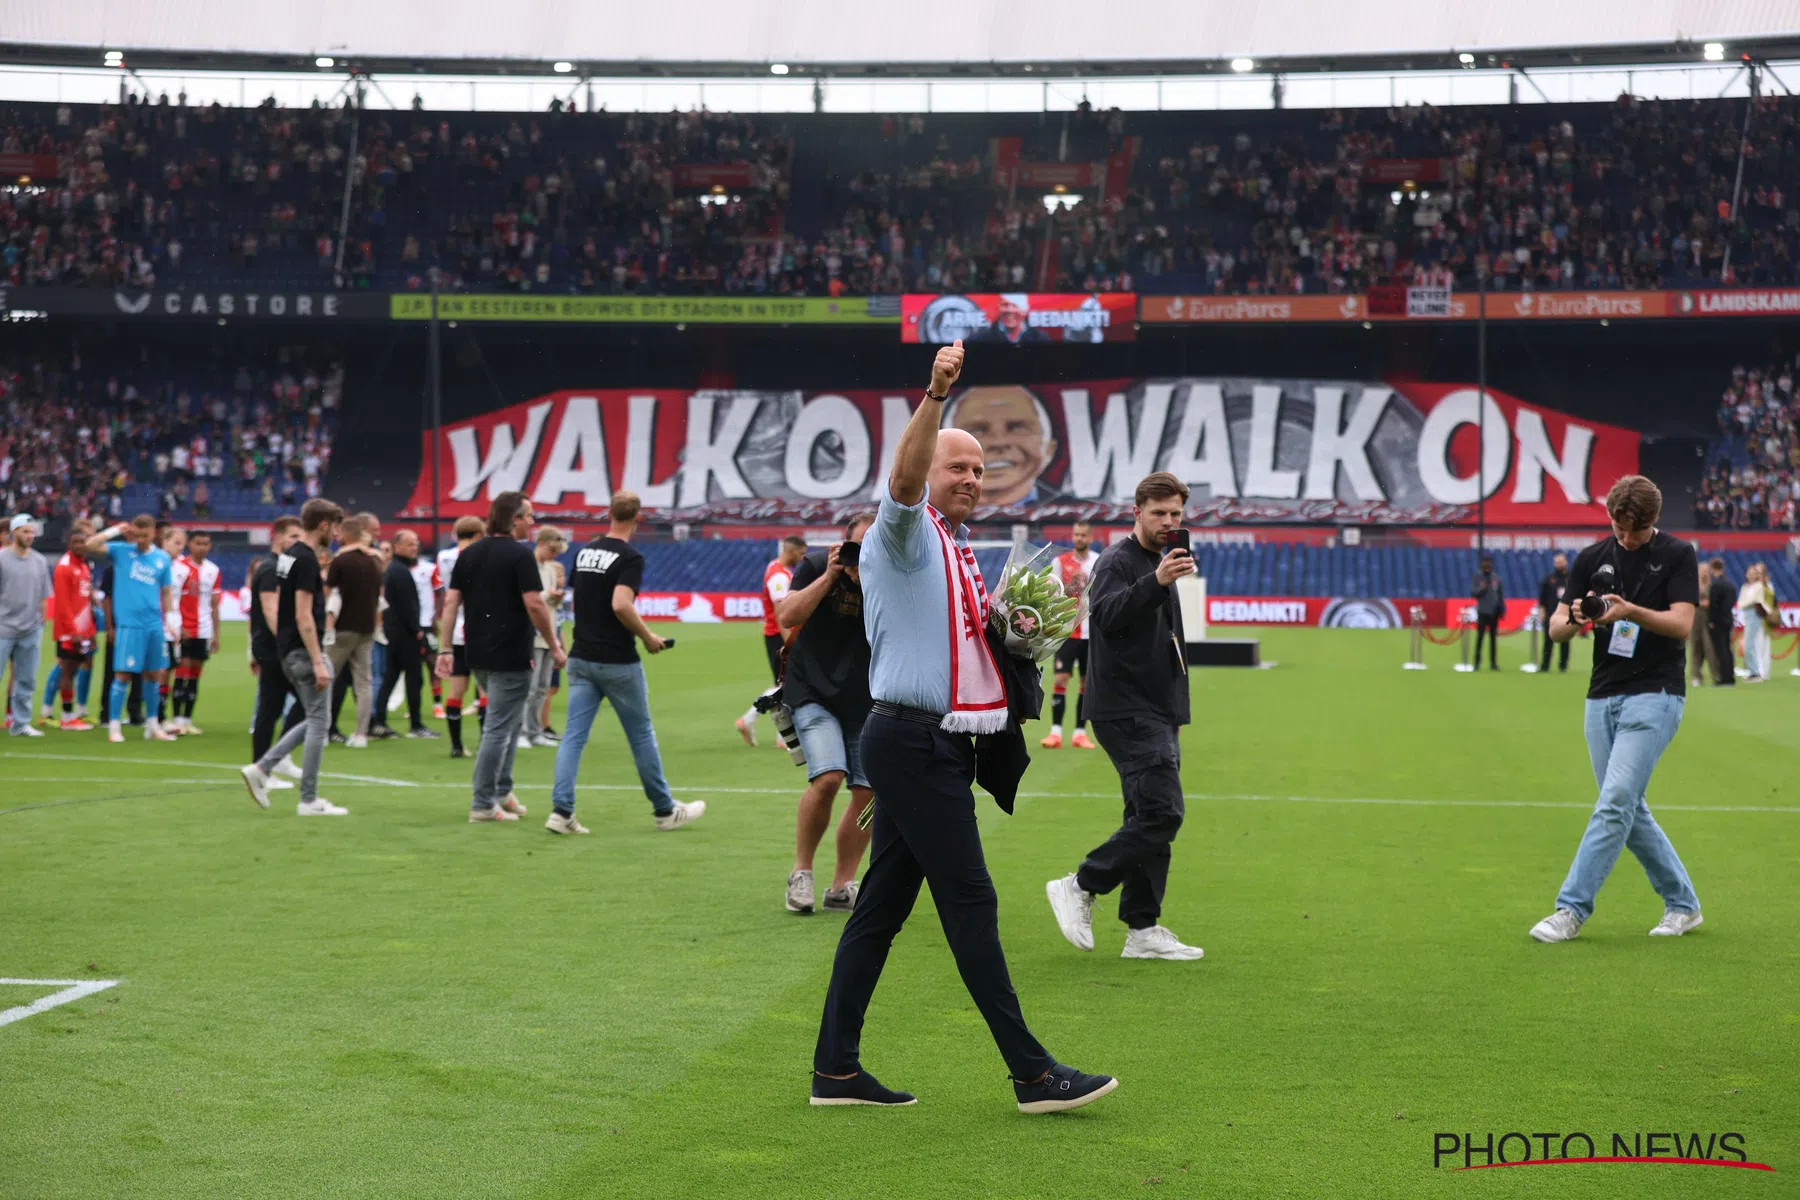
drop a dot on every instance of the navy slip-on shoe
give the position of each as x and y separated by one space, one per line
860 1088
1062 1089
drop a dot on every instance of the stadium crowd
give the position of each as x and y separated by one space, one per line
74 440
1752 478
1631 195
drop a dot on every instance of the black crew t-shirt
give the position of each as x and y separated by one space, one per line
298 570
600 566
1663 573
828 662
262 638
494 575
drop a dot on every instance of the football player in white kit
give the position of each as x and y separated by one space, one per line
197 595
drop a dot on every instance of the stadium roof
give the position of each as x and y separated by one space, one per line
935 37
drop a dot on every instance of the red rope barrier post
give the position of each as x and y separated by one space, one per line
1416 640
1793 645
1463 618
1534 623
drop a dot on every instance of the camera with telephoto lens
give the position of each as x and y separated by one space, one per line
783 717
1592 608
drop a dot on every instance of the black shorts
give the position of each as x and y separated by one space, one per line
194 649
459 662
1070 654
79 650
772 643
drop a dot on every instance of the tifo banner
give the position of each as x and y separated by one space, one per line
1252 449
648 310
1021 318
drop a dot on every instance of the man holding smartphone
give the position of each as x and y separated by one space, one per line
604 665
1639 587
1138 703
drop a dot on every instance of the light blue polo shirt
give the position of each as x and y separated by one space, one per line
906 606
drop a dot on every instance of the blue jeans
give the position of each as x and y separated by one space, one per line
22 653
623 684
1625 737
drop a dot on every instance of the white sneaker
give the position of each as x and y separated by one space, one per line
277 784
746 727
356 741
1074 911
28 731
685 812
395 701
542 740
561 824
258 783
800 892
523 743
495 813
154 732
287 768
114 732
45 713
512 804
1158 942
320 807
1675 923
1560 926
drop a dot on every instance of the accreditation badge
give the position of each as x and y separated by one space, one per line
1624 639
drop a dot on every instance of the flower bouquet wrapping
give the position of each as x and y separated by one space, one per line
1032 607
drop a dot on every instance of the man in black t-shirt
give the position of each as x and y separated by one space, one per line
495 586
1639 587
827 688
272 686
603 665
299 633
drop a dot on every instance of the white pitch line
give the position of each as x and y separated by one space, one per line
1222 796
72 989
210 766
380 781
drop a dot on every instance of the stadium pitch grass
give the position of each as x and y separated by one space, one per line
402 1004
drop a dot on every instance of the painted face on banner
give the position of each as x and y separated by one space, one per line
1015 445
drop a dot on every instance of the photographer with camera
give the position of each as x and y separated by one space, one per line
1639 587
1138 702
826 687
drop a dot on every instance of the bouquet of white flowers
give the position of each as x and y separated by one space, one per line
1032 608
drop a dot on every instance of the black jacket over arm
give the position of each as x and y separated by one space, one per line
1137 650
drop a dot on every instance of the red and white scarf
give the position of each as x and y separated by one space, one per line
977 692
